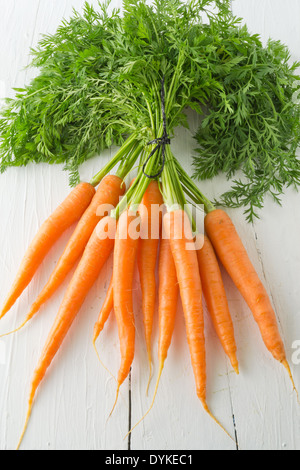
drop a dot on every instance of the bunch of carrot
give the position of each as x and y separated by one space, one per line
147 224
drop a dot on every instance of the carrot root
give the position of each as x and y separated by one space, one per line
16 329
235 367
102 363
235 259
216 299
116 400
149 209
205 406
150 372
123 272
25 426
161 366
29 409
287 367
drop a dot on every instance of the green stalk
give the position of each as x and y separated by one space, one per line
172 188
144 181
173 87
135 193
157 107
121 153
193 189
125 201
153 125
129 160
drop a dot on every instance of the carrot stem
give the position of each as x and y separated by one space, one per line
135 193
174 196
120 154
129 160
192 188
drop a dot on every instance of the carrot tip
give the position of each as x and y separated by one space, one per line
150 375
3 312
15 330
25 425
287 367
116 399
103 365
205 406
154 395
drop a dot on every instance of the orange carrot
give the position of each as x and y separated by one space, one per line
236 261
168 292
107 195
51 230
107 306
125 252
188 276
106 309
95 255
216 299
179 231
149 211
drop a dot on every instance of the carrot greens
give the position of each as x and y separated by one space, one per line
98 82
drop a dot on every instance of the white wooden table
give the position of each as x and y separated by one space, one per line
76 397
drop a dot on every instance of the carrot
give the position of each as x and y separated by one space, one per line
168 292
179 230
51 230
216 299
107 195
125 252
95 255
236 261
147 255
188 276
106 309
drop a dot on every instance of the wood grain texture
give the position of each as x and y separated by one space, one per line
75 399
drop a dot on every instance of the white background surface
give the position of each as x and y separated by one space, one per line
75 398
